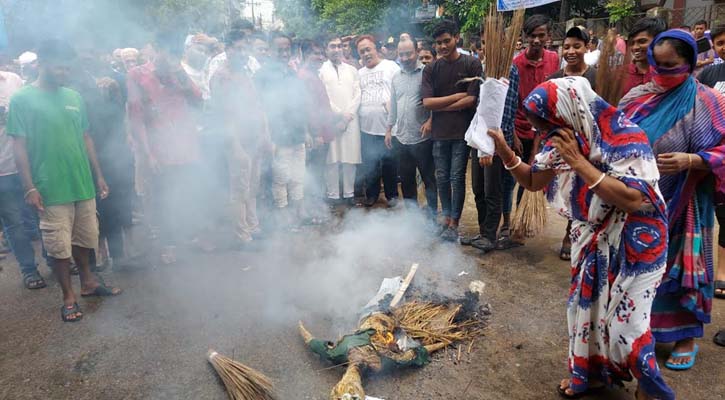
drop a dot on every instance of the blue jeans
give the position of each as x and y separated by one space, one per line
451 158
11 211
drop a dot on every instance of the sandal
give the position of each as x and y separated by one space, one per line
71 313
507 243
590 391
719 338
565 253
34 281
73 269
103 291
720 285
682 367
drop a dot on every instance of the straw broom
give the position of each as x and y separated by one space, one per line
498 63
242 382
530 216
611 73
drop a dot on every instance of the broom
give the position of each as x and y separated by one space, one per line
498 63
611 73
242 382
530 216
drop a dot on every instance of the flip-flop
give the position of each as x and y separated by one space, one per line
719 338
102 291
66 311
720 285
682 367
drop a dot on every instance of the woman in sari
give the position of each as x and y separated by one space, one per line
684 122
599 172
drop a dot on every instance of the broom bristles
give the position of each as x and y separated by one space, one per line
241 381
530 216
611 73
498 63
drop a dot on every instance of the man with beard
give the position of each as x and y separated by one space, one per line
342 83
283 97
640 37
163 108
348 56
411 123
235 108
453 105
57 162
378 162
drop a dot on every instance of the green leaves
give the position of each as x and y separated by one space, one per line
620 9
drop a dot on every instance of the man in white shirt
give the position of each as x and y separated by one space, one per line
376 78
342 84
591 58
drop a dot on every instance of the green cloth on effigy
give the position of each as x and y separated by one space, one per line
337 353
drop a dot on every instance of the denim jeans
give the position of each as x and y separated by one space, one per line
378 162
451 157
417 156
11 209
487 186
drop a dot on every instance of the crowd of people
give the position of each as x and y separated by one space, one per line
281 131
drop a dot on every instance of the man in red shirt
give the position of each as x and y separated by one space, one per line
641 35
162 111
535 64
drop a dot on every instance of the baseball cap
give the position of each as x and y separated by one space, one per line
578 32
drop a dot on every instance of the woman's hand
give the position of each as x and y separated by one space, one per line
502 148
568 147
673 163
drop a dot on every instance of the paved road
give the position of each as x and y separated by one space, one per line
150 343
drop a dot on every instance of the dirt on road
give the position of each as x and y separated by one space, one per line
151 342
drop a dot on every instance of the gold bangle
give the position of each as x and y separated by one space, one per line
689 159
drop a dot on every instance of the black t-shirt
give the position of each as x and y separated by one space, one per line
714 76
442 78
590 74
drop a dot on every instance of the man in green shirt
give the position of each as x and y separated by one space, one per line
55 156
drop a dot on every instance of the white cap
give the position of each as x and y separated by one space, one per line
27 57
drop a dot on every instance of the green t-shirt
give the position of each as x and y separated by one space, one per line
53 124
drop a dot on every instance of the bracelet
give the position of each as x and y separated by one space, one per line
595 184
689 160
510 160
25 196
518 162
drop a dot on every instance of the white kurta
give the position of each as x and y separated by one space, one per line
343 89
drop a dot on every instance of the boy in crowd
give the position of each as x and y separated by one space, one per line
453 105
640 36
706 57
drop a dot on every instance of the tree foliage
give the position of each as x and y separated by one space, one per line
620 9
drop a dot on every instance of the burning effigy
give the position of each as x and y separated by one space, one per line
395 336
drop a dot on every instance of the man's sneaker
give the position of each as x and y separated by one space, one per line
392 203
483 244
450 235
467 240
